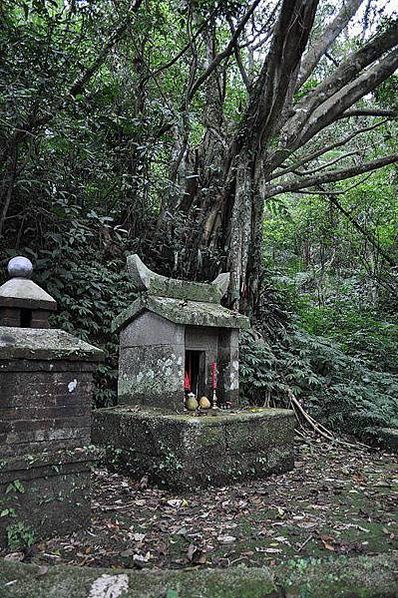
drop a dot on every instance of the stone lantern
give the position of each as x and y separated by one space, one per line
22 302
45 413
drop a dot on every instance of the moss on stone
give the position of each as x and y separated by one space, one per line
46 344
353 577
356 577
183 451
182 311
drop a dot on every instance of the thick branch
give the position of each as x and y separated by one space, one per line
330 110
348 71
323 150
330 177
280 69
370 112
329 35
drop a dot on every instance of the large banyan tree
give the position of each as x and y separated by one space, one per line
222 106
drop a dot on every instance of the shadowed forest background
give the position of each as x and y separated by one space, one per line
257 137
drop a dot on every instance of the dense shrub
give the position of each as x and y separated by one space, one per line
339 389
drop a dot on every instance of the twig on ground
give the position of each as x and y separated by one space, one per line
305 543
316 426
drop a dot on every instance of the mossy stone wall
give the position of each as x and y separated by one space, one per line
182 451
45 495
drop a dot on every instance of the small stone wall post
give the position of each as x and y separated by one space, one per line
45 416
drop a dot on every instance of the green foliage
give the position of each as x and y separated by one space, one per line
360 332
341 390
340 357
90 165
19 535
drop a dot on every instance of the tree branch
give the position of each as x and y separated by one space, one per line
239 62
324 150
370 112
326 39
341 192
278 74
175 59
337 104
34 122
350 70
330 177
326 165
358 226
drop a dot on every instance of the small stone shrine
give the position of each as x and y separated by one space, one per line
176 330
45 415
178 419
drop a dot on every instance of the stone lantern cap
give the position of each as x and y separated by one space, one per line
179 301
20 291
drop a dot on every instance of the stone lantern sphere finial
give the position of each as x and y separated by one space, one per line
20 267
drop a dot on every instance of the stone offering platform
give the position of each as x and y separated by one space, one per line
185 451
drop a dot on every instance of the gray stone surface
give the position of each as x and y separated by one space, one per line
152 375
27 343
20 292
180 311
43 409
145 280
45 423
182 451
152 359
51 496
149 329
169 318
20 266
335 577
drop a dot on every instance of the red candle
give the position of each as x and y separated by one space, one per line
213 368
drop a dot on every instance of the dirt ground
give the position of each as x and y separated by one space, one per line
335 501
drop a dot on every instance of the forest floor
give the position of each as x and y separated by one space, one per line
335 501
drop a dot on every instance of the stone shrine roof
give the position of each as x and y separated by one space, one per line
154 284
179 301
182 311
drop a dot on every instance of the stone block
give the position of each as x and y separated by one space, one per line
40 405
150 329
183 451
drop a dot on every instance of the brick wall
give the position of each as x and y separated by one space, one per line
44 406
